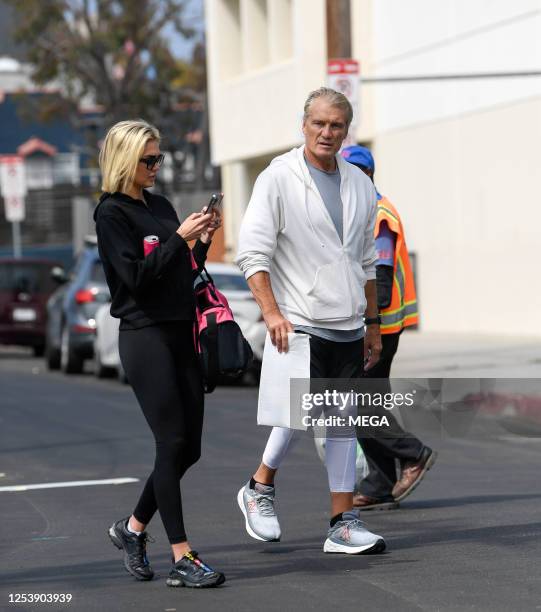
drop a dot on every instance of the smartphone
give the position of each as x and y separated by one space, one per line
215 200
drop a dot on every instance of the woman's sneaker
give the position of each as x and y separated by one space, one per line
134 547
257 505
350 536
190 571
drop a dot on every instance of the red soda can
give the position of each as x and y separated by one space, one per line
150 243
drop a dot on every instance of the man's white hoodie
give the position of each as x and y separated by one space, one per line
287 231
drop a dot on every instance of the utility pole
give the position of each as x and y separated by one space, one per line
338 29
342 69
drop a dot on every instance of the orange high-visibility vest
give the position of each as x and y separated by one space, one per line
402 311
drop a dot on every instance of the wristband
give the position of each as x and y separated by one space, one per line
372 320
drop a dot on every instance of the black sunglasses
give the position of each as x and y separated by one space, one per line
153 160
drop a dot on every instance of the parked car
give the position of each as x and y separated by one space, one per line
106 357
71 323
25 286
230 281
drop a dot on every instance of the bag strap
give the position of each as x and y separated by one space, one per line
213 364
209 281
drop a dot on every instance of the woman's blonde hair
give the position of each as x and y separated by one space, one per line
121 151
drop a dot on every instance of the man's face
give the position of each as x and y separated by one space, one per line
324 129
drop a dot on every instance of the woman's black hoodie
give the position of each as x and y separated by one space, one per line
151 289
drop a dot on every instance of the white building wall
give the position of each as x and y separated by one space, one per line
459 157
263 58
470 201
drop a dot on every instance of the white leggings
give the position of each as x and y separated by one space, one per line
340 456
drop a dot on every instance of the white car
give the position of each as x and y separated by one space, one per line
230 281
106 357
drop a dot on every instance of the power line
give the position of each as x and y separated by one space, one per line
450 77
459 37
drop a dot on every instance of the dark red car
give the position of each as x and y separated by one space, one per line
25 287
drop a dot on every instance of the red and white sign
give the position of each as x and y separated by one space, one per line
13 186
343 75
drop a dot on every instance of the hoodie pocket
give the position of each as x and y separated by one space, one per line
357 287
329 298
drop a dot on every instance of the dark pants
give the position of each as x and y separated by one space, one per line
162 367
332 364
381 452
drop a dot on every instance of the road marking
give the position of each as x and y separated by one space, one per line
73 483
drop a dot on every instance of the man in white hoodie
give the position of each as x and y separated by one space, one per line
309 230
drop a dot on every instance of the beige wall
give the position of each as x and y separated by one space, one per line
258 82
469 194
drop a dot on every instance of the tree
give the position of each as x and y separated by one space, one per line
113 51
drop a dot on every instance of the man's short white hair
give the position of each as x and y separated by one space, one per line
335 98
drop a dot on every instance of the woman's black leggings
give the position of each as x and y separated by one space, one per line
162 367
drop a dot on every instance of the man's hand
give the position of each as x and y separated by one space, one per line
372 346
278 327
276 323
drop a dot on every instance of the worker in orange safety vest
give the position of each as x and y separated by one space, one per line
397 305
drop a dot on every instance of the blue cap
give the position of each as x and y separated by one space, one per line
359 156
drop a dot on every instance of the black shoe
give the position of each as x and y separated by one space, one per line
134 547
190 571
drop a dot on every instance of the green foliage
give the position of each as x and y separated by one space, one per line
113 51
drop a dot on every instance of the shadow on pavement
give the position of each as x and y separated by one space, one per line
502 535
464 501
100 572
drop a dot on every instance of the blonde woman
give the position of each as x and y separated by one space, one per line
153 297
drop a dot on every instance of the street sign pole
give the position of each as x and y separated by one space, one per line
16 234
13 189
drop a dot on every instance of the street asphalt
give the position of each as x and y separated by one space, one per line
469 538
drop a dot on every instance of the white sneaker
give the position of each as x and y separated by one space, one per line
257 505
350 536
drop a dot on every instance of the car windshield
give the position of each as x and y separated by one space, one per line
26 277
229 282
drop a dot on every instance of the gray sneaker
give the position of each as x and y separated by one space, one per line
350 536
257 505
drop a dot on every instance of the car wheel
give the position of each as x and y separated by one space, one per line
52 357
39 350
70 362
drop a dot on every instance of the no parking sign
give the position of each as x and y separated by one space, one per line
13 186
343 76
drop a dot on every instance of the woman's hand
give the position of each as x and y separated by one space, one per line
192 227
215 223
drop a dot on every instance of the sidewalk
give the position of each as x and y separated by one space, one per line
511 365
438 355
